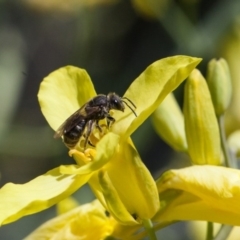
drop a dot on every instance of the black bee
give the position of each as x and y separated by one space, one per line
88 116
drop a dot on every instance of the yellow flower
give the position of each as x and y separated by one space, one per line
205 193
190 193
113 169
89 221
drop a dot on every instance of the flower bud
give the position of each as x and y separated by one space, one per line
169 123
201 125
219 83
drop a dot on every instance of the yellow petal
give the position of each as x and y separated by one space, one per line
62 93
124 168
150 88
128 232
202 189
187 207
66 205
87 222
18 200
201 125
113 202
127 167
169 124
104 151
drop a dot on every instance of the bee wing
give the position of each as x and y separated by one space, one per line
71 122
75 118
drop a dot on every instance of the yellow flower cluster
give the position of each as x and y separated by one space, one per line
128 198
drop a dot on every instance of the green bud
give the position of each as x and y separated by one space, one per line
219 83
201 125
169 124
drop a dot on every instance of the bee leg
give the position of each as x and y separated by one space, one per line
89 142
88 132
110 120
98 127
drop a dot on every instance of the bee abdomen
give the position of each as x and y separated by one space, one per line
72 137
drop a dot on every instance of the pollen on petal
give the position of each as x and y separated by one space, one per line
80 157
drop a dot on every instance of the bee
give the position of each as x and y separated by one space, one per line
82 122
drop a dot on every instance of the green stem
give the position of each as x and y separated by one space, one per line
209 231
147 223
224 232
229 162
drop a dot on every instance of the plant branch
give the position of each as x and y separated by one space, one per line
147 223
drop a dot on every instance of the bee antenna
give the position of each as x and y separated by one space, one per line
129 101
130 106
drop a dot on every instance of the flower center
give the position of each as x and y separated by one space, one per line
82 158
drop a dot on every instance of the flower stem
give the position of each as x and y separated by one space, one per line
229 162
209 231
147 223
224 232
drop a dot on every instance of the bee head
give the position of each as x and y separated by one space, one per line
115 102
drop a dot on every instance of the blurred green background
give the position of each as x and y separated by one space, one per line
114 40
